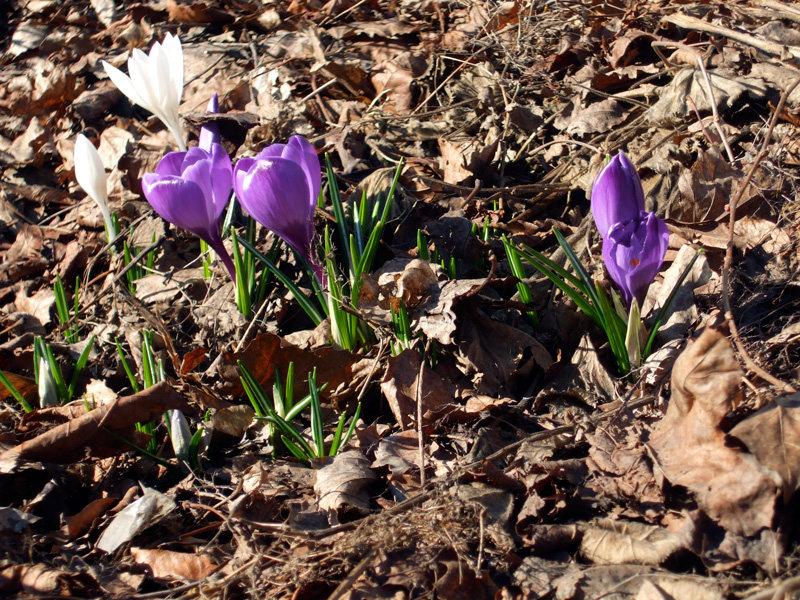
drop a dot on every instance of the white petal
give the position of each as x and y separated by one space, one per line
174 51
47 385
123 83
180 436
91 176
143 78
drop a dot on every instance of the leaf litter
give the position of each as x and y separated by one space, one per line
494 457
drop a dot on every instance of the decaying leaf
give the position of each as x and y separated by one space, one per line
268 351
68 442
773 436
135 518
342 484
166 564
406 379
618 542
693 451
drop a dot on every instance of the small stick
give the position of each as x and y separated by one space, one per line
726 268
420 432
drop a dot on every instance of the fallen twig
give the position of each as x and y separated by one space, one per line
726 268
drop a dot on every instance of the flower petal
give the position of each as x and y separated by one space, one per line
275 193
180 202
91 176
209 133
634 252
123 83
171 164
617 194
309 161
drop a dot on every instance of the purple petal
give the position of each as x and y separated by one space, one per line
221 179
180 202
310 164
617 194
275 192
634 252
171 164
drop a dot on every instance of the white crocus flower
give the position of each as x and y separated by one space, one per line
155 82
91 176
47 385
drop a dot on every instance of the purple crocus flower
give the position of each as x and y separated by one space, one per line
279 189
634 241
191 189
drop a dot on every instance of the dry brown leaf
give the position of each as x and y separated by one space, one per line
628 542
773 436
68 442
166 564
268 351
342 482
498 356
399 452
78 524
39 305
403 382
621 470
730 485
466 158
599 117
41 580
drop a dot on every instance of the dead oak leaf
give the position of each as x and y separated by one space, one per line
773 436
693 451
342 484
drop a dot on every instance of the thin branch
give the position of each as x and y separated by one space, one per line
726 269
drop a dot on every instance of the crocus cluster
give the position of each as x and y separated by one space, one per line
634 241
278 188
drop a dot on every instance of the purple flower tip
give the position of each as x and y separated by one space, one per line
190 190
279 189
617 194
209 133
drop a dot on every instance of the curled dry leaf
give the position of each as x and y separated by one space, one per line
342 484
167 564
693 451
617 542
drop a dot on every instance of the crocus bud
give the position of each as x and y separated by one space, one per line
48 396
279 189
617 194
179 435
91 176
155 82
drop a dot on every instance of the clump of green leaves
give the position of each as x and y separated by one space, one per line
281 411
